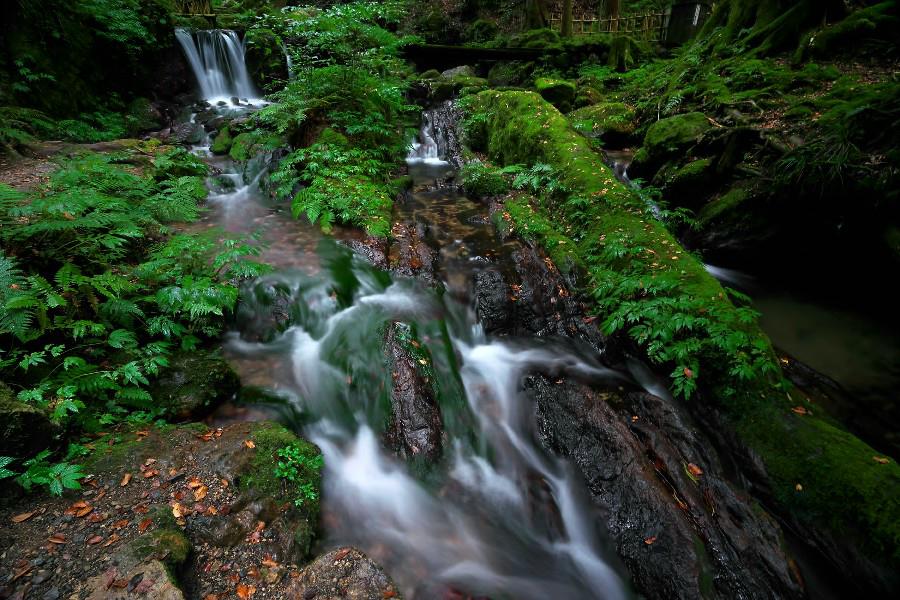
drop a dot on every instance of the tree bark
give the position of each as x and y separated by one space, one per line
611 11
567 18
535 14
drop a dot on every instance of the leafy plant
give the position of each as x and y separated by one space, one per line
56 477
301 469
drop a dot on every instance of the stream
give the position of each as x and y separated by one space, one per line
477 505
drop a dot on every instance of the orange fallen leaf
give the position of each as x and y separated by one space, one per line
389 594
125 480
149 462
143 433
649 541
143 525
112 540
800 410
80 504
694 470
120 524
687 372
245 591
57 538
881 460
83 512
22 517
200 493
249 443
95 517
178 510
150 473
268 562
194 482
95 540
342 553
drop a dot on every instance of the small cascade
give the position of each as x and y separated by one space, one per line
216 57
425 149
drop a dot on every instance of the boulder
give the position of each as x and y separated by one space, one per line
344 573
194 383
614 122
558 92
461 71
25 430
675 134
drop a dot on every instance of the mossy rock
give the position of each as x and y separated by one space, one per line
25 430
558 92
222 142
725 207
249 144
333 137
588 96
142 116
445 89
536 38
194 383
508 74
690 182
879 24
613 121
481 180
675 134
430 74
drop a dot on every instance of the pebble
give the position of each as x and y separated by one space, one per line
51 594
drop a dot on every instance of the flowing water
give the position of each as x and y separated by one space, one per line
494 515
216 57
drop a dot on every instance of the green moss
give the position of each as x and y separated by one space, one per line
675 134
558 92
430 74
261 477
616 118
249 144
729 204
222 143
636 268
536 38
874 23
447 88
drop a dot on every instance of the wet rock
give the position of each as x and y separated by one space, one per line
416 426
667 138
373 249
344 573
614 122
409 254
194 383
24 429
680 534
492 302
461 71
182 134
148 580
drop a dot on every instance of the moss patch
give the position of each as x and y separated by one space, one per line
558 92
675 134
607 117
222 143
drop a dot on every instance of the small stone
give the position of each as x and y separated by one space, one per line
51 594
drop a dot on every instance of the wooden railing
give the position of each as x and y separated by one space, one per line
649 26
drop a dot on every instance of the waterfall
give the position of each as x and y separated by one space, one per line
217 58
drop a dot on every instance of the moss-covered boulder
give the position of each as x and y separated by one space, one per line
558 92
222 142
194 383
24 429
675 134
142 116
446 88
614 122
689 183
830 484
536 38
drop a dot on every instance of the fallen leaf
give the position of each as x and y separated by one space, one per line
22 517
178 510
112 540
245 591
798 487
268 562
95 517
881 460
800 410
211 597
194 482
688 373
341 554
143 525
389 594
120 524
249 443
95 540
694 470
649 541
57 538
125 480
149 462
150 473
83 512
22 572
143 433
200 493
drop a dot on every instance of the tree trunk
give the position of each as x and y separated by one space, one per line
567 18
535 14
611 11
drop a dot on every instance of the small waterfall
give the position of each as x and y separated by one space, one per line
217 58
425 149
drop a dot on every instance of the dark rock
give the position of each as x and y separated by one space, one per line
24 429
461 71
373 249
416 425
492 303
344 569
194 383
182 134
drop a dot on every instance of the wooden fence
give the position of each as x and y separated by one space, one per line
650 26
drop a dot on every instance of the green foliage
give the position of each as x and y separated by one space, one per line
105 297
19 126
300 468
347 75
56 477
484 180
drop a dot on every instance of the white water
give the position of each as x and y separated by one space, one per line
500 518
425 149
216 57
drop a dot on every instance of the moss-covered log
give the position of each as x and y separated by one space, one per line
646 286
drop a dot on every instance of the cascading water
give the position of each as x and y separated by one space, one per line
497 517
216 57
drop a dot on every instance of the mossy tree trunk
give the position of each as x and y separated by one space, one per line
773 25
567 18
